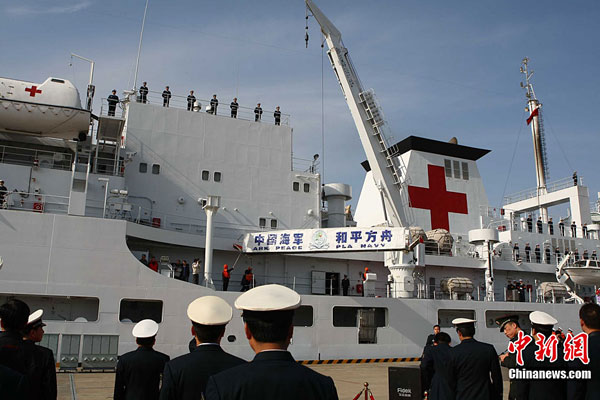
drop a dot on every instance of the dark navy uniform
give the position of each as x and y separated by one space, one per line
430 340
277 116
14 353
214 103
435 369
112 101
42 372
13 385
475 371
144 94
271 375
589 389
534 389
257 114
138 374
185 377
510 361
190 102
234 109
166 95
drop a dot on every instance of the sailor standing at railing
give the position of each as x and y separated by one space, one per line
3 192
277 116
112 101
234 107
214 103
190 100
144 93
166 95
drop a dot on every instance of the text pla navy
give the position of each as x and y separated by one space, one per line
326 240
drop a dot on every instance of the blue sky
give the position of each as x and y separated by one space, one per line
440 69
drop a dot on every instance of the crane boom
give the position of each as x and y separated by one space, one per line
368 119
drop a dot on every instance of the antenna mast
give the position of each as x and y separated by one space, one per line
537 131
137 61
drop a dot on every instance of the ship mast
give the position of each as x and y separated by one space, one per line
537 132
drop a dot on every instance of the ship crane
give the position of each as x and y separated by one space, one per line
369 121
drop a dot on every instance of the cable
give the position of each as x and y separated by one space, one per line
559 144
513 157
322 113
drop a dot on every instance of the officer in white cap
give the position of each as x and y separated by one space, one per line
475 371
542 324
268 313
185 377
139 372
42 371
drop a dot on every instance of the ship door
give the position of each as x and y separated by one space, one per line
332 283
367 329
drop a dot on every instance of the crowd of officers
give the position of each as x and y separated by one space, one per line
192 104
471 370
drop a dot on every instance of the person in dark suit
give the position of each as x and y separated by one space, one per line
435 368
345 285
185 377
534 389
112 101
144 93
13 385
589 319
14 354
268 312
430 338
474 366
509 325
138 373
166 95
42 370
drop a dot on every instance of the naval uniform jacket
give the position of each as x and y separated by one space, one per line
537 389
271 375
13 385
435 370
138 374
509 362
185 377
42 372
475 371
14 353
589 389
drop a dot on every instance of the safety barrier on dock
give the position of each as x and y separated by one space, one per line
359 360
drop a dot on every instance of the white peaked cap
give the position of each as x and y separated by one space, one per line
268 298
542 318
459 321
34 316
210 310
144 329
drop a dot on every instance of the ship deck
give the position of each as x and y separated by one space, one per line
349 380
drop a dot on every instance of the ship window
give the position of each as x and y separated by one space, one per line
491 315
133 310
465 171
156 169
143 167
448 168
348 316
60 308
262 222
57 80
306 187
445 317
217 177
456 167
303 316
273 224
205 175
296 186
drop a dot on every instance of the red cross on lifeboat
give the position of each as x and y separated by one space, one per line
33 90
437 199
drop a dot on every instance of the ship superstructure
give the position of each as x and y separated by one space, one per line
178 184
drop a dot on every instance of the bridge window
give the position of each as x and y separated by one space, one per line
273 224
217 177
296 186
465 171
262 222
456 167
156 169
448 168
306 187
205 175
143 168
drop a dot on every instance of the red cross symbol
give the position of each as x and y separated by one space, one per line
33 90
437 199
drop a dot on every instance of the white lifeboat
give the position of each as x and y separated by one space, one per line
584 272
50 109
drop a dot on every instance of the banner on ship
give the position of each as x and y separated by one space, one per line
326 240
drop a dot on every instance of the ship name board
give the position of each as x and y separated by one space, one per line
326 240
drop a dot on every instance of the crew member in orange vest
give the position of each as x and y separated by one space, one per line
364 275
226 275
